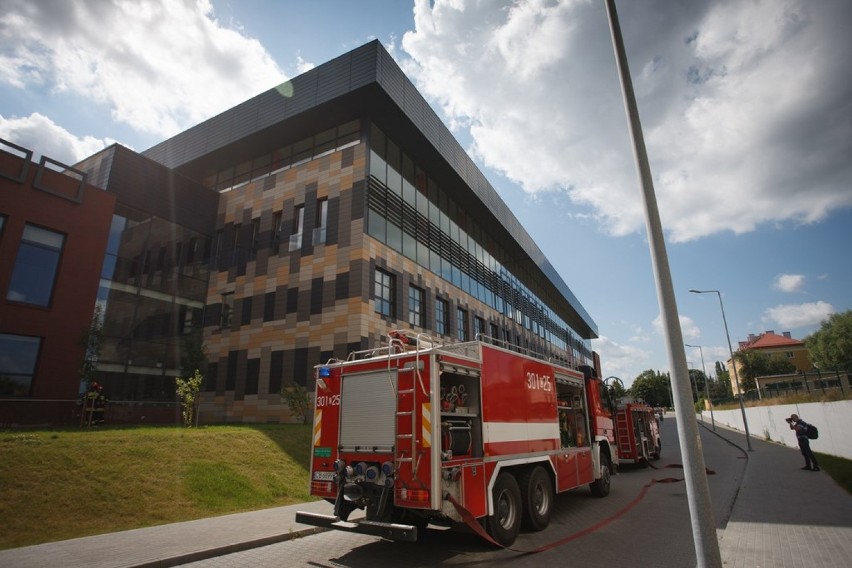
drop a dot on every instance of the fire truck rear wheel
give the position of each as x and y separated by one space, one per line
505 523
537 494
600 487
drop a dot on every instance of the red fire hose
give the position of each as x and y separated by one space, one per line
471 521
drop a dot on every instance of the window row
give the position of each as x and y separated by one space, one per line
236 244
410 213
385 297
285 157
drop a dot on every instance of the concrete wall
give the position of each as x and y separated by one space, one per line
834 420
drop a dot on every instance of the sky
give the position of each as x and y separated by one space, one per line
746 111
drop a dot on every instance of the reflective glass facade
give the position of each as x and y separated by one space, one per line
413 215
152 290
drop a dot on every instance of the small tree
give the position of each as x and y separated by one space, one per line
92 340
187 391
298 401
831 345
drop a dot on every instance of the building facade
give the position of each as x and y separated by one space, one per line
324 213
779 347
53 231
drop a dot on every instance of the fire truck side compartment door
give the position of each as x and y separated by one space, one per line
368 410
473 486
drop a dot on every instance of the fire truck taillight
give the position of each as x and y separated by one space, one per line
413 495
321 487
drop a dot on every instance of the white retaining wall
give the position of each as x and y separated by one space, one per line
834 420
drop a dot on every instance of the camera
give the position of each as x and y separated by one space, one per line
788 420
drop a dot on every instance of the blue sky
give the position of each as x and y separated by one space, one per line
744 106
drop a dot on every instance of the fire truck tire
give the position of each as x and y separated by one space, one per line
600 487
537 495
505 524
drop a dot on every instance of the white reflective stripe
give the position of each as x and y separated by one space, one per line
426 430
317 426
493 432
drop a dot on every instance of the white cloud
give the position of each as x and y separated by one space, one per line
791 316
622 361
688 329
536 85
41 135
789 282
159 66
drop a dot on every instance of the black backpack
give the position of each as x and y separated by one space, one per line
811 431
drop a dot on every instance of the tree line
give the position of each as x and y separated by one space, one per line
830 349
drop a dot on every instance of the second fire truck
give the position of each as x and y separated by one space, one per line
637 433
419 432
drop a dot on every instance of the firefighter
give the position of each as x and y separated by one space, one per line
95 404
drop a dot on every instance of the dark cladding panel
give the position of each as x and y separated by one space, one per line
220 131
392 79
272 105
413 102
333 80
432 126
244 120
304 93
363 66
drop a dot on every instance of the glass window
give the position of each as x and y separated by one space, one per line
415 306
18 357
276 232
227 310
478 327
384 292
442 316
462 334
36 266
298 226
321 224
255 238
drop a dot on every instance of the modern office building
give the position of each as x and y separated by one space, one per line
322 214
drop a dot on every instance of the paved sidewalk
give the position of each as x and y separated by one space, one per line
169 545
782 517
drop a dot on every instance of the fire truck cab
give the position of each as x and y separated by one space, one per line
420 432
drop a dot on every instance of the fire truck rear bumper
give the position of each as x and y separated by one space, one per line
392 531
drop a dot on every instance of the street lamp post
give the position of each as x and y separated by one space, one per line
694 472
733 363
706 388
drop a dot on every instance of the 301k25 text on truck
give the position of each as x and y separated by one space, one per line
419 432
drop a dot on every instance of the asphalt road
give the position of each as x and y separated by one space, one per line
655 530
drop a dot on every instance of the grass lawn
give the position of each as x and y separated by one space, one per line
60 484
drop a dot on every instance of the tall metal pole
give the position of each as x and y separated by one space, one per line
706 388
697 489
733 364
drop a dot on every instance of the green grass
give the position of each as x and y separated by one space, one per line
59 484
840 469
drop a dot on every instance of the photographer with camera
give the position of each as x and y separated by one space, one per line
801 428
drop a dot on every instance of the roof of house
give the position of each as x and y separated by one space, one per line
770 339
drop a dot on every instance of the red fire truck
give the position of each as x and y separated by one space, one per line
637 433
420 432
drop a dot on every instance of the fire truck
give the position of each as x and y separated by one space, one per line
418 432
637 433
